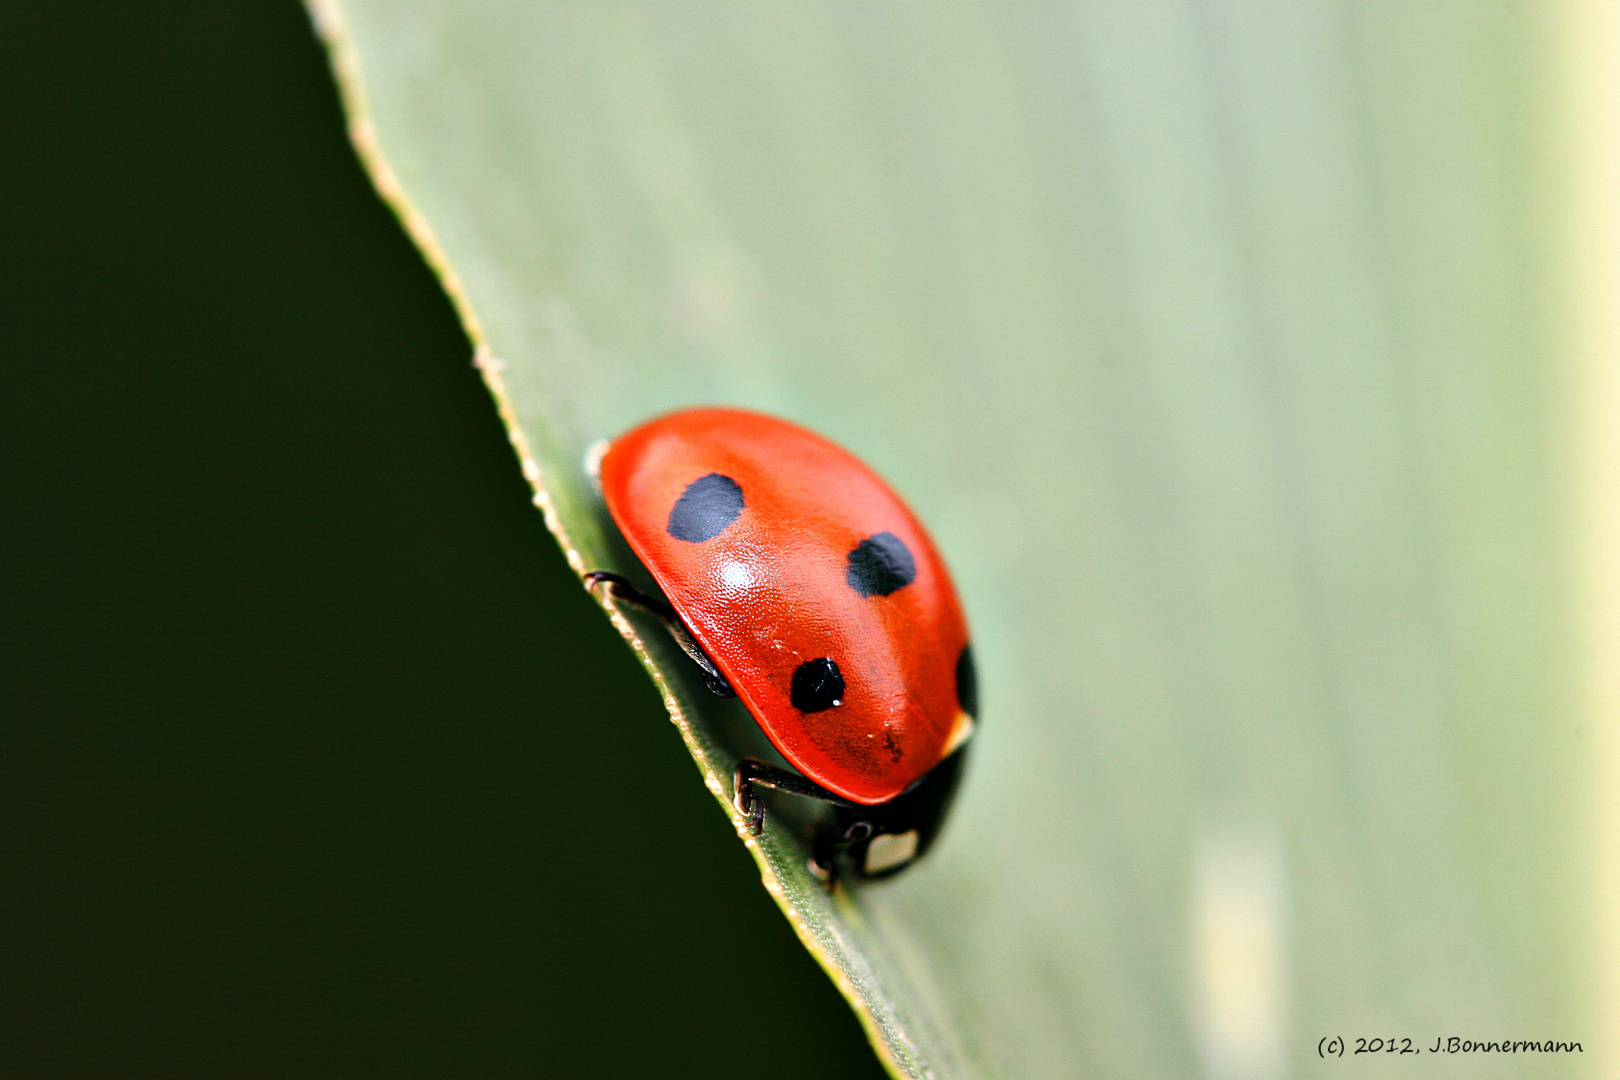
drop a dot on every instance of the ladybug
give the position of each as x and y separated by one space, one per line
800 582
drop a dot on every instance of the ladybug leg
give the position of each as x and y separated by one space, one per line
751 773
823 866
824 861
620 589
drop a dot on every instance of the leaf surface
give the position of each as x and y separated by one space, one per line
1227 350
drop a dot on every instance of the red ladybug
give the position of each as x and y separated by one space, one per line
798 580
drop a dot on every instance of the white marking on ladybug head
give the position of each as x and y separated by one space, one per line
889 850
961 732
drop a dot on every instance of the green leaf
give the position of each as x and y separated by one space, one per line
1248 363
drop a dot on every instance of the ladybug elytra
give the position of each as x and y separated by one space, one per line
798 580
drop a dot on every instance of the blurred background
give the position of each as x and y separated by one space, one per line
316 759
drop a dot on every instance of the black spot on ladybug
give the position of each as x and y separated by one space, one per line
817 685
880 564
705 508
892 745
967 682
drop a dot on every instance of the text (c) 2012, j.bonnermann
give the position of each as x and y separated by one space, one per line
1336 1046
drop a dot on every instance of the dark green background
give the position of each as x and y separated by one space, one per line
317 760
